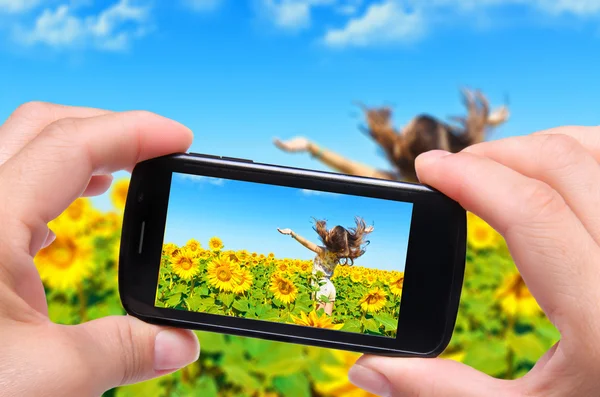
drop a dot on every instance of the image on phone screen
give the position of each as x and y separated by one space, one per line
284 254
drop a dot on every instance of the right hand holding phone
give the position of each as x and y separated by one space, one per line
541 192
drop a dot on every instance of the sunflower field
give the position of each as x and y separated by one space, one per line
262 287
500 328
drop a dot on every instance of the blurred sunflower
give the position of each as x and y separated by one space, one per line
283 289
215 244
480 235
184 264
313 320
223 274
338 384
78 214
244 282
515 298
118 193
66 262
373 301
194 246
396 286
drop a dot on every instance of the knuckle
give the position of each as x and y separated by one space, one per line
560 148
541 201
142 114
130 360
33 109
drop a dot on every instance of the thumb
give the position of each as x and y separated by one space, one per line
423 377
119 350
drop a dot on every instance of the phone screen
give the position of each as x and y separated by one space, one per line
284 254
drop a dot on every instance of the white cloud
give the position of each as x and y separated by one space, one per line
382 23
350 7
203 5
112 29
17 6
292 14
577 7
397 21
201 179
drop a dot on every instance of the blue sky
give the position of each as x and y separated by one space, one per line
246 216
240 73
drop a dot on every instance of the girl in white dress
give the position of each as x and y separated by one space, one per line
340 246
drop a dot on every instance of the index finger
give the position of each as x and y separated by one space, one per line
56 166
554 253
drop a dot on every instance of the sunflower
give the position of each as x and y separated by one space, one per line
169 249
215 244
118 194
105 225
184 264
66 262
356 277
233 257
223 274
396 286
244 282
271 255
305 266
337 383
480 235
314 320
79 210
283 267
371 278
373 301
243 255
283 289
194 246
515 298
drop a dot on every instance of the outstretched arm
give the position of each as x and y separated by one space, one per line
330 158
308 244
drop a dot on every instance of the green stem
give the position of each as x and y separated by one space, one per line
185 375
192 287
510 355
82 303
362 321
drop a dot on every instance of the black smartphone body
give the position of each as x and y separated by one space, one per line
293 255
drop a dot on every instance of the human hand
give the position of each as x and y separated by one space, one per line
287 232
541 192
298 144
49 156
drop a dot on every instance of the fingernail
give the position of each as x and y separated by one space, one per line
174 349
432 156
369 380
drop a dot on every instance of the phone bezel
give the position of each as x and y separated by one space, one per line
428 306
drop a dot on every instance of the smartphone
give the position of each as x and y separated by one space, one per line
293 255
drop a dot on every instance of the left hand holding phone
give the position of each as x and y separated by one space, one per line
49 156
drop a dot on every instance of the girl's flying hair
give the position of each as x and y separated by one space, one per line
347 244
